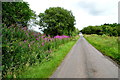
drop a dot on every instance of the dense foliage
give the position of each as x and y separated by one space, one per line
57 21
16 13
107 29
106 44
22 48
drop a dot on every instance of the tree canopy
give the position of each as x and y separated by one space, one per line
16 13
57 21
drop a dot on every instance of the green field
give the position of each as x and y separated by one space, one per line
105 44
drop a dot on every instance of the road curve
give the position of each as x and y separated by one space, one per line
84 61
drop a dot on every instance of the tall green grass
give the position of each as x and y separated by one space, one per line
106 44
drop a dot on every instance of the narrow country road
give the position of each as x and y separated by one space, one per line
84 61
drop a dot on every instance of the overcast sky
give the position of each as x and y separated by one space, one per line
86 12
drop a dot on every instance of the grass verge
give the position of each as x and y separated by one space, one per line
46 69
105 44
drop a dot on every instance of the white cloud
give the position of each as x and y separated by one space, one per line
86 12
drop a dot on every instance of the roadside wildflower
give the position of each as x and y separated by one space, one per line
28 45
24 28
37 38
49 36
42 43
26 34
35 34
45 38
42 36
61 37
50 39
25 41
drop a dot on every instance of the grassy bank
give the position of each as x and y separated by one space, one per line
46 69
22 48
107 45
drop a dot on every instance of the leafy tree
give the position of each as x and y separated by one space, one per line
75 32
16 13
57 21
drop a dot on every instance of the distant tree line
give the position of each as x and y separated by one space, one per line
107 29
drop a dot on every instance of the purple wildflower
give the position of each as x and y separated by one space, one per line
61 37
45 38
24 28
48 35
37 38
48 40
42 43
25 41
28 45
27 34
42 36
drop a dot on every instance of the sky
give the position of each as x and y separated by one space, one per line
86 12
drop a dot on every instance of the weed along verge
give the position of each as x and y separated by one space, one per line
30 54
46 69
106 44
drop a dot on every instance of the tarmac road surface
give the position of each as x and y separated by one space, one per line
84 61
